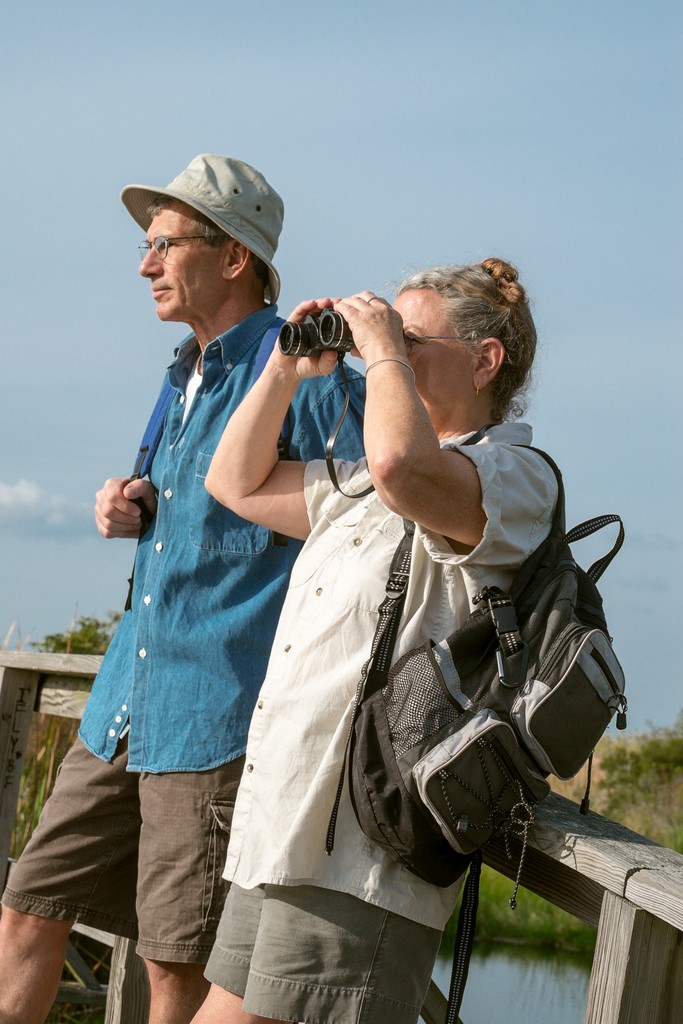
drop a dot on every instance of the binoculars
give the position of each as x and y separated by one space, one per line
325 330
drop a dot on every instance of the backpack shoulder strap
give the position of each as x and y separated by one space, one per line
559 518
262 356
155 427
584 529
390 610
266 347
152 435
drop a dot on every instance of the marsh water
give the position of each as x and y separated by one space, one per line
510 984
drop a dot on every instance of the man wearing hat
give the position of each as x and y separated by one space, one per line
133 839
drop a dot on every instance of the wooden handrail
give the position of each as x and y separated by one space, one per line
626 885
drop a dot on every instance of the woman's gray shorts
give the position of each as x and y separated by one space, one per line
303 953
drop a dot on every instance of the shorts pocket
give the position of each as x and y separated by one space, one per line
215 886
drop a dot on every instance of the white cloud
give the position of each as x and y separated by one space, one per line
25 507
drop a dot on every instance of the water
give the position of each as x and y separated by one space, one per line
518 987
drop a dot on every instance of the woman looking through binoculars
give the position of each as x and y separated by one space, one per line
353 936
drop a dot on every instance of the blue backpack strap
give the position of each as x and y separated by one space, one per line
267 345
155 427
262 356
143 464
152 435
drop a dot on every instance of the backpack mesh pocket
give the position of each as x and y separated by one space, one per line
416 704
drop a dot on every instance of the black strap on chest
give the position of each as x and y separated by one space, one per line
331 441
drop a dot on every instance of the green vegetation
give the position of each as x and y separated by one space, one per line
640 783
533 923
86 636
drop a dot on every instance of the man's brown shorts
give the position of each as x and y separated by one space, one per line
136 854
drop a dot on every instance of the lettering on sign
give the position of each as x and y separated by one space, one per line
14 755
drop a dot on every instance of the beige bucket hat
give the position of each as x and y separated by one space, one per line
232 195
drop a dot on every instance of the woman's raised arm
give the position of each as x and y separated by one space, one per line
245 473
414 401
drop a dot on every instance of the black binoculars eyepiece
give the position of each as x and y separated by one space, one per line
325 330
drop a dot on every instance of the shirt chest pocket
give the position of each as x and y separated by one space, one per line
348 558
213 527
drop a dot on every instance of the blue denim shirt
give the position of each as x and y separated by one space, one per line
186 663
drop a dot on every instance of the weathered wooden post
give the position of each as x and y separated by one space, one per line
18 690
128 996
637 975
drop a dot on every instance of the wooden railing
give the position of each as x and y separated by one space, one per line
626 886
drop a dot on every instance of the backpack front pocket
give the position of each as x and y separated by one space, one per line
581 672
475 779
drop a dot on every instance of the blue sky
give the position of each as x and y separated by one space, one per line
400 136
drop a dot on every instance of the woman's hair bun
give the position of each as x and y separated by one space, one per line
506 277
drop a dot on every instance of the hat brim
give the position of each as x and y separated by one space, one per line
137 199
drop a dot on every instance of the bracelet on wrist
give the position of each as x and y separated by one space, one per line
391 359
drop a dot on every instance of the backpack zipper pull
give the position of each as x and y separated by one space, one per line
619 701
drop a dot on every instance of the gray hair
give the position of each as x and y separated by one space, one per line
485 300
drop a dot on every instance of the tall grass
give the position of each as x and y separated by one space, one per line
533 923
638 781
49 740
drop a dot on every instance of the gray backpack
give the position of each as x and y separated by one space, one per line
451 746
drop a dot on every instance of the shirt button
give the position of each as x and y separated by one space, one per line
112 732
250 767
124 707
168 493
228 366
182 399
260 705
288 647
318 591
142 653
147 599
357 542
158 546
118 718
